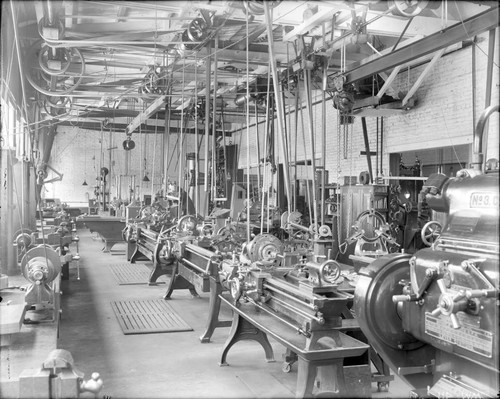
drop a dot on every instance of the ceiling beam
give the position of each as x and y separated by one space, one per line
144 116
430 44
147 129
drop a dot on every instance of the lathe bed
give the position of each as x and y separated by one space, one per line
342 367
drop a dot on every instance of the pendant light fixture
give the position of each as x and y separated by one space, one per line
85 165
145 178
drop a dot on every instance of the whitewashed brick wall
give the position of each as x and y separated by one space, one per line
442 116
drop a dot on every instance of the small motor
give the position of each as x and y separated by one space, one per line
40 266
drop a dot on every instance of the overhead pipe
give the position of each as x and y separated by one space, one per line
477 144
48 143
489 74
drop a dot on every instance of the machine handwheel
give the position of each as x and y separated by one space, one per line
186 223
431 232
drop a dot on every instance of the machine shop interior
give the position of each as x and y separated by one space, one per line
249 199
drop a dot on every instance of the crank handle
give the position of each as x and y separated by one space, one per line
491 293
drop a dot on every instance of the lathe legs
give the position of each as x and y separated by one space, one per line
242 330
213 311
328 375
178 282
159 270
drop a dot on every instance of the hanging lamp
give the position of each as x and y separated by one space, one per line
85 166
145 178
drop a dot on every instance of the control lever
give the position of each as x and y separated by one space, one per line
430 275
427 368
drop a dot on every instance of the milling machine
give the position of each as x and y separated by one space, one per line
433 316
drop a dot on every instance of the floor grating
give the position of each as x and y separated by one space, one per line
148 316
133 273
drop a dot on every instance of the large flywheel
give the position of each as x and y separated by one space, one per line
379 319
376 312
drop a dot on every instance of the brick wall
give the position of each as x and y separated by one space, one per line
442 116
77 155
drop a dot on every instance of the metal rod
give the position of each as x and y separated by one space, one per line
299 312
266 139
272 313
279 105
376 154
50 12
381 144
474 86
307 81
270 287
180 185
298 226
214 128
402 33
196 139
207 124
248 127
323 138
193 265
367 148
258 146
308 190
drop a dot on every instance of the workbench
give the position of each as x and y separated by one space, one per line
338 365
109 229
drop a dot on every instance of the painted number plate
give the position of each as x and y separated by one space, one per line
483 200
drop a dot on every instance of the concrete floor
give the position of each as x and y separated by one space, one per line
161 365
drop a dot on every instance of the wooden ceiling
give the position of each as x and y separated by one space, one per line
93 62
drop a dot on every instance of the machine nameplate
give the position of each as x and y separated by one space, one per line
484 200
468 337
